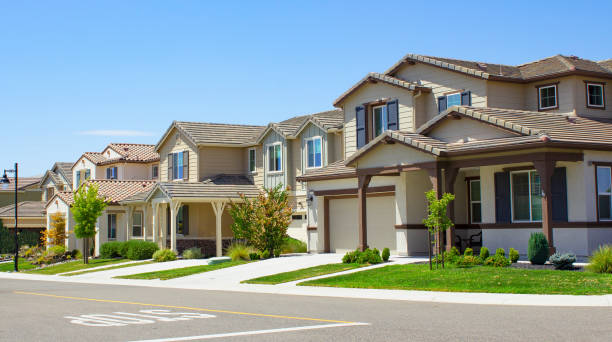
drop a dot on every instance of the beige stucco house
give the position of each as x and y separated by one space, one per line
524 148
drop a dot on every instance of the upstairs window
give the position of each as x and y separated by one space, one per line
111 173
50 192
313 152
178 165
372 119
547 97
275 157
380 118
604 193
595 95
252 160
454 99
82 176
155 172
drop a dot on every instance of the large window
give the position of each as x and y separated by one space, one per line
252 160
313 152
547 97
178 165
604 192
595 95
155 171
526 196
112 226
275 158
379 119
475 201
137 224
181 221
111 172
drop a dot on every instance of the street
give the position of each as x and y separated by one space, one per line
55 311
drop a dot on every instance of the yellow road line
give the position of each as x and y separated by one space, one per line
180 307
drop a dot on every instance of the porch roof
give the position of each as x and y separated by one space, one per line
25 209
218 187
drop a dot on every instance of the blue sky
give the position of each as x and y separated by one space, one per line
77 75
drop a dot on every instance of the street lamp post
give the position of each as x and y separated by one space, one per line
5 181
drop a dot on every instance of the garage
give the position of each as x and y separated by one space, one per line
344 227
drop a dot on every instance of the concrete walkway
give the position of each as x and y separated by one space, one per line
229 279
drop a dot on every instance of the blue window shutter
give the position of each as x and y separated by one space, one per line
170 175
108 175
559 195
168 218
466 98
502 197
393 115
360 117
441 104
185 165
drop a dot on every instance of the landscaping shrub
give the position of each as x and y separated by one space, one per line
277 253
351 257
537 250
57 250
497 261
26 237
386 253
76 254
468 260
369 256
291 245
163 255
468 252
484 253
31 253
140 250
239 251
500 251
513 254
192 253
254 256
601 260
112 249
563 261
265 254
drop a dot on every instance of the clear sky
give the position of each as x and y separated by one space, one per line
77 75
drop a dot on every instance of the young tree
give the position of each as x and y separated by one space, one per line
437 222
56 235
86 209
262 221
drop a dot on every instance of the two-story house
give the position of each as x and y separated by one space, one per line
524 148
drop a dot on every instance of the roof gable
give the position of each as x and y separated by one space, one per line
374 77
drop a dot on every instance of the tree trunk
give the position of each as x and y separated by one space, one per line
429 248
85 250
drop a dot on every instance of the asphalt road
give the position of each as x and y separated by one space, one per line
54 311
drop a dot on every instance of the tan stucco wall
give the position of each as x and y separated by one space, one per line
218 160
391 155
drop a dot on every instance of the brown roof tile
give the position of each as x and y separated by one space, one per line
118 190
25 209
377 77
333 170
207 190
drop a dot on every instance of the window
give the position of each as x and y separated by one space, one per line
87 174
137 224
313 152
296 217
252 160
453 100
604 192
111 173
461 98
379 119
275 158
595 95
526 196
475 204
112 226
155 172
547 97
178 165
181 221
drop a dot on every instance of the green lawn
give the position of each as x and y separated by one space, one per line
76 265
475 279
182 272
302 273
108 268
10 266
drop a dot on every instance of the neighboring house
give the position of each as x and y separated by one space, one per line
58 178
27 190
30 208
524 148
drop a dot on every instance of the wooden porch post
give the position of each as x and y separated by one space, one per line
362 186
326 241
450 175
174 207
218 208
128 221
545 169
154 219
145 221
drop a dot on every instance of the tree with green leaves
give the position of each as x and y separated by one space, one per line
86 209
437 222
263 221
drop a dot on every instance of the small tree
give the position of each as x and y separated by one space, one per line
86 209
56 234
262 221
437 222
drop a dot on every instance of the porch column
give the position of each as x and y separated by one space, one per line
450 175
362 186
545 168
218 208
67 231
154 219
128 222
145 221
174 207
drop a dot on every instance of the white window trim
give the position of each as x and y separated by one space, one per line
268 158
602 193
136 225
512 198
318 137
603 95
472 202
540 97
385 122
174 154
254 161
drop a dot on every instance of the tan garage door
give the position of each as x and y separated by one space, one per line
344 229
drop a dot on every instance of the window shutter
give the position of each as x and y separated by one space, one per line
360 117
502 197
186 165
170 175
108 173
78 178
466 98
168 218
392 115
185 220
115 173
559 195
441 104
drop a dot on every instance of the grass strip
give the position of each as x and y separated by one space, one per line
303 273
474 279
75 266
22 263
108 268
182 272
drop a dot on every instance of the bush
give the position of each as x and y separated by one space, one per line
112 249
254 256
468 252
351 257
239 251
484 253
497 261
140 250
514 255
500 251
468 260
76 254
192 253
291 245
265 254
277 253
537 251
369 256
31 253
386 253
57 250
163 255
601 260
563 261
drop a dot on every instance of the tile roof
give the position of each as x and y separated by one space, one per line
606 64
65 169
207 190
60 173
290 128
377 77
117 190
337 169
66 196
130 153
203 133
25 209
24 182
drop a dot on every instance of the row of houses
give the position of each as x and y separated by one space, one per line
524 148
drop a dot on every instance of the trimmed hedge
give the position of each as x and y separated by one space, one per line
26 238
132 249
112 249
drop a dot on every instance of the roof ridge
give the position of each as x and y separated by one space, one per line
134 144
216 123
537 61
571 66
